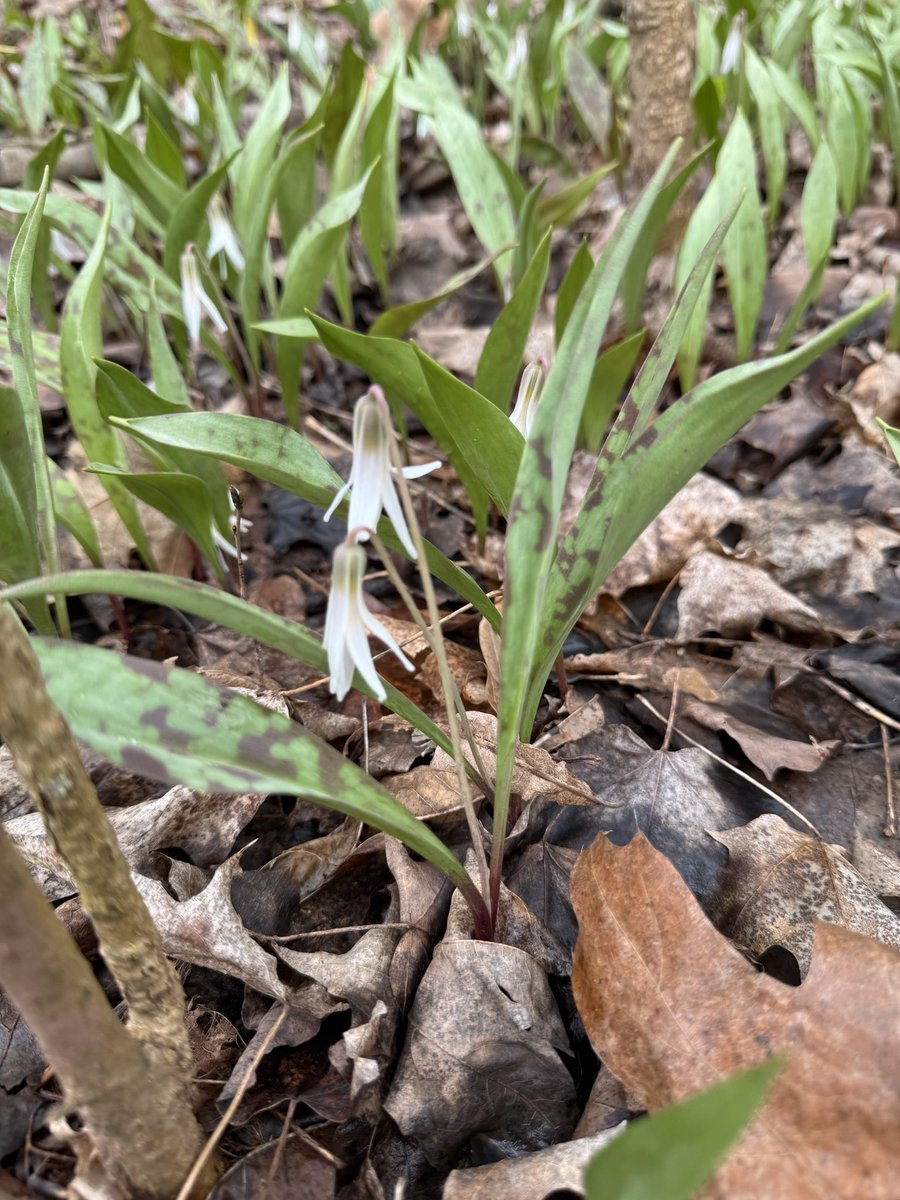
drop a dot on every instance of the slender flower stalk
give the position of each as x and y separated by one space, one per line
530 389
347 620
223 544
222 237
194 299
371 483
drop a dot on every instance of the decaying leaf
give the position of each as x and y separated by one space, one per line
779 882
428 793
482 1054
291 1170
728 597
682 528
530 1176
765 750
535 773
672 1007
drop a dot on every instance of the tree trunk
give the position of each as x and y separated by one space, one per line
661 72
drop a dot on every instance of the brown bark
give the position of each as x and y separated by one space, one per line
47 758
661 72
146 1145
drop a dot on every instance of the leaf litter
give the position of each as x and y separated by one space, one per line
411 1052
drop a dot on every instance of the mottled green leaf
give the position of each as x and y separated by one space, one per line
395 322
212 604
172 725
570 289
73 514
155 190
188 220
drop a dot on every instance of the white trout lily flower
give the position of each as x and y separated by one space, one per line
530 388
731 51
346 622
222 238
194 299
371 484
186 103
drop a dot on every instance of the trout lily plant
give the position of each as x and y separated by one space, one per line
514 469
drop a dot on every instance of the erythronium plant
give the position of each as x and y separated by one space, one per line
645 459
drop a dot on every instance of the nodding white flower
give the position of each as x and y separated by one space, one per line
530 388
294 31
370 476
194 299
731 51
186 103
518 52
346 622
222 544
222 238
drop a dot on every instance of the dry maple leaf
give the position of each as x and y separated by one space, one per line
671 1007
779 881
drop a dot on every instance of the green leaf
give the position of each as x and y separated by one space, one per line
610 375
172 725
397 321
892 436
183 498
570 289
137 172
288 327
744 249
27 476
73 514
819 206
796 99
281 456
476 174
621 503
485 435
632 290
165 155
772 129
890 97
35 81
541 481
700 229
670 1154
212 604
80 341
501 357
249 169
562 206
590 94
188 219
167 377
397 368
310 260
20 556
297 193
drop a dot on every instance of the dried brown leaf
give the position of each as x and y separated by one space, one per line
291 1170
672 1008
779 882
482 1054
728 597
530 1176
765 750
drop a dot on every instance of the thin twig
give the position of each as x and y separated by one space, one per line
863 705
890 826
216 1136
670 724
657 607
735 770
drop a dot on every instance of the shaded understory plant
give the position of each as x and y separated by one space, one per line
645 457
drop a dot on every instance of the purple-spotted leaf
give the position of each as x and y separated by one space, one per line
172 725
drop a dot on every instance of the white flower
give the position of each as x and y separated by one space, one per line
370 476
222 238
346 622
194 299
518 52
530 388
731 51
186 103
294 31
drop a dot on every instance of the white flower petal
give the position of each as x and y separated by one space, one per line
358 645
342 492
367 479
394 511
384 635
418 472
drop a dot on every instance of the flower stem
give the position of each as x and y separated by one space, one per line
447 682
